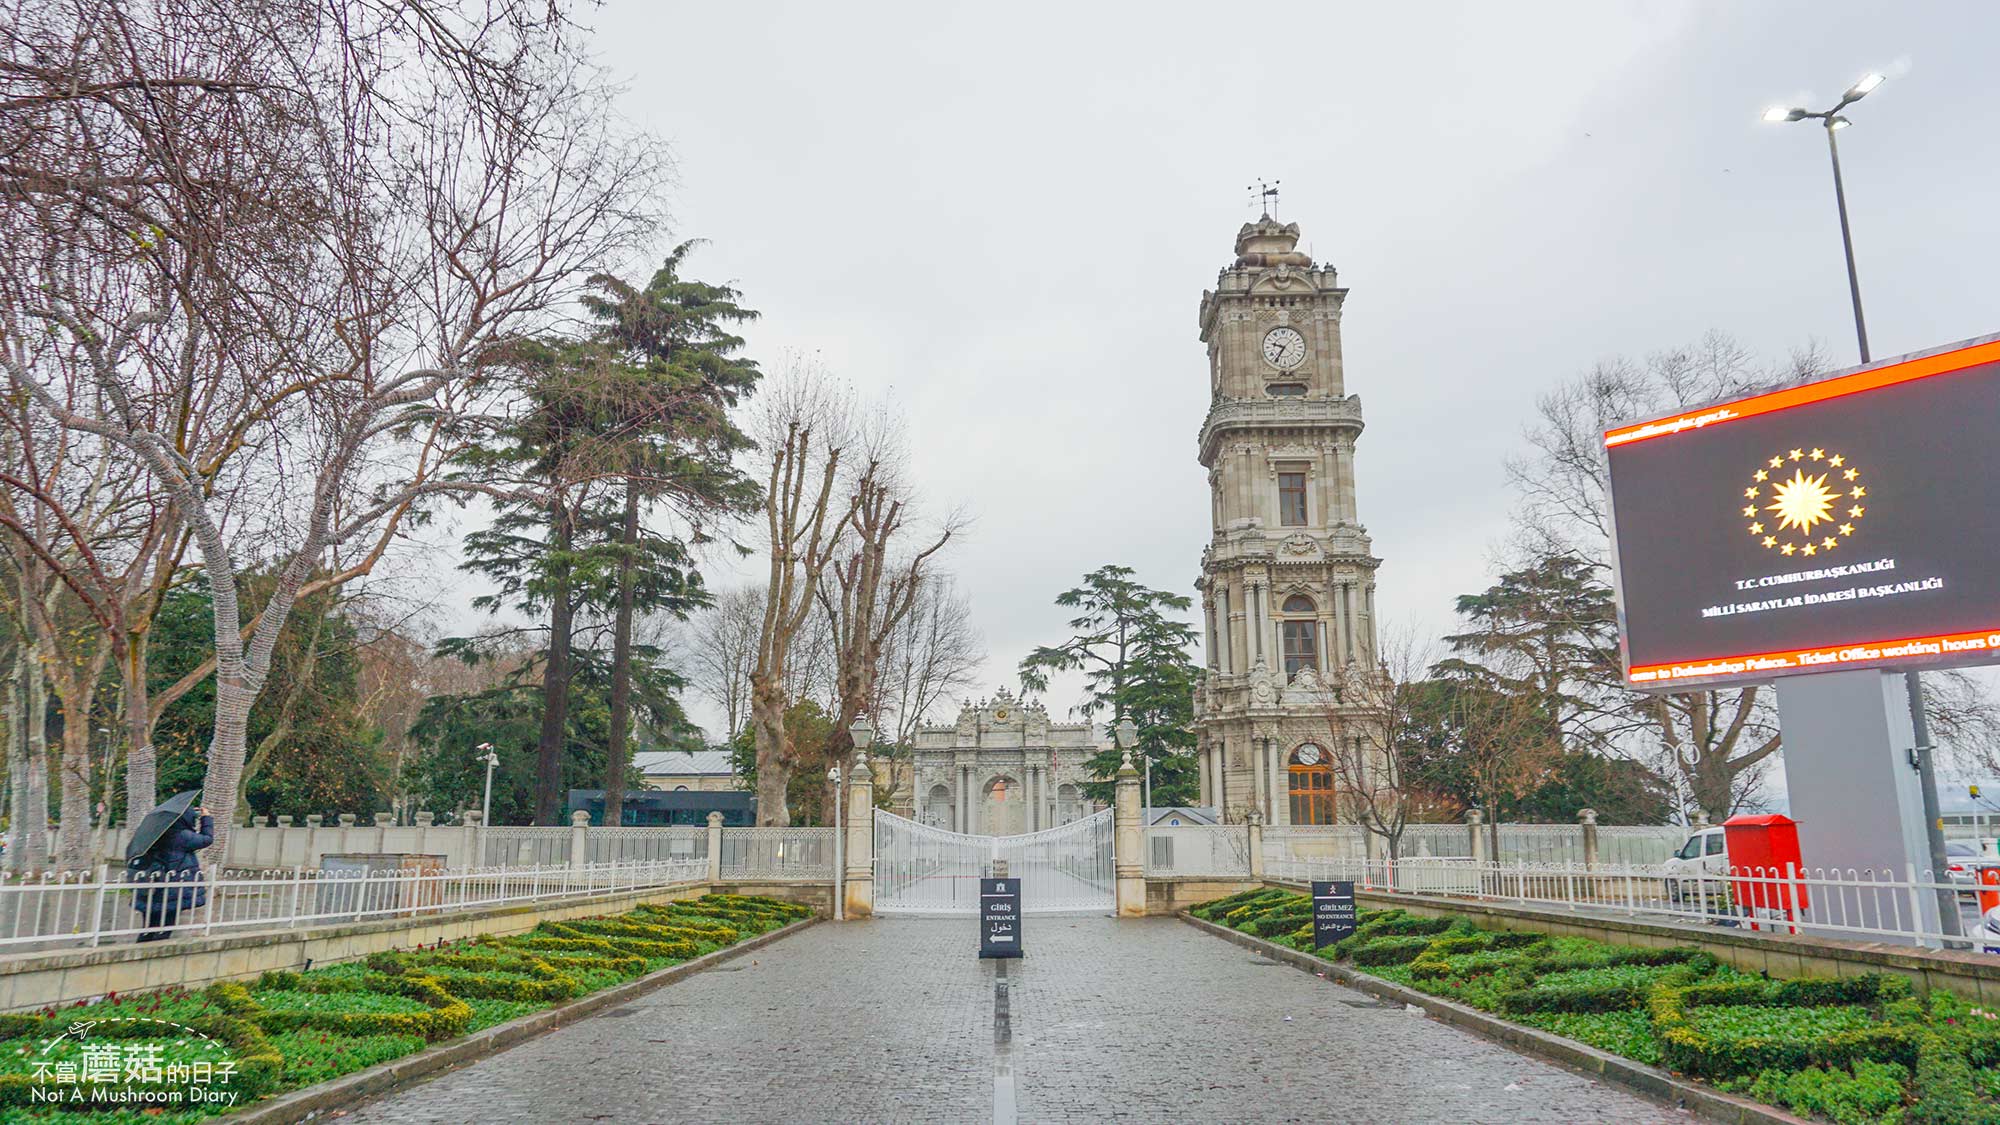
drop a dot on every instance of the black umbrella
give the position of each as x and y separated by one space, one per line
159 822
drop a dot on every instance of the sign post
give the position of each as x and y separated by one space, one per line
1000 917
1333 912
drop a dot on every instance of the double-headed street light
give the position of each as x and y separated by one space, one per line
1833 122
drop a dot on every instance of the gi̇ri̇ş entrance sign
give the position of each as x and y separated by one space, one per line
1844 523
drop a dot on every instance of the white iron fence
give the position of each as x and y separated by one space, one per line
777 853
1845 903
88 909
921 869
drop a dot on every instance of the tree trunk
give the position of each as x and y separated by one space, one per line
27 807
73 846
141 767
555 682
617 753
35 822
774 769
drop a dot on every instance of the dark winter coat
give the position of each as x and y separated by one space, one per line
172 861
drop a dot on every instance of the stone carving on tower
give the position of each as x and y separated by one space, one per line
1288 578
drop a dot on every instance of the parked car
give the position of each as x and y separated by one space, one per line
1694 872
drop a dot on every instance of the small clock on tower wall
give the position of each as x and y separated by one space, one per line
1284 348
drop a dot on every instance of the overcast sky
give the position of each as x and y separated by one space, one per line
1003 216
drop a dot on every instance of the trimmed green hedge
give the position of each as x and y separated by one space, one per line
1855 1050
337 1019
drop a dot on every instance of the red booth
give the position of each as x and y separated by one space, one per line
1761 850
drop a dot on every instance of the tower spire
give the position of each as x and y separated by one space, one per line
1264 195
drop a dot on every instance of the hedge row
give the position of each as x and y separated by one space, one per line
1856 1050
342 1018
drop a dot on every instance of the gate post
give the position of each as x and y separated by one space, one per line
1588 819
861 840
579 841
1254 832
714 848
1131 872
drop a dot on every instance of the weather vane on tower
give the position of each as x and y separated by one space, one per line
1264 195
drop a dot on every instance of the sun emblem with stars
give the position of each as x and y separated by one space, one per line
1803 502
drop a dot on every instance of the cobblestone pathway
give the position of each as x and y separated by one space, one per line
894 1020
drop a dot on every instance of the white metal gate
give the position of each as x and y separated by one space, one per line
924 870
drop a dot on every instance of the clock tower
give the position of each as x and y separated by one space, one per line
1288 578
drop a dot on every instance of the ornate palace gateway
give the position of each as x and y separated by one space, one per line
1002 769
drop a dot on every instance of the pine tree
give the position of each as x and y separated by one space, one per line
669 426
1134 657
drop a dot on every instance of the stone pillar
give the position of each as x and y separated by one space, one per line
1588 818
1256 773
426 818
715 847
347 820
1280 810
1473 828
860 876
469 840
579 839
1131 871
1256 834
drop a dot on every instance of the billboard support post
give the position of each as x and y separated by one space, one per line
1857 801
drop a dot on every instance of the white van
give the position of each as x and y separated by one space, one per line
1695 870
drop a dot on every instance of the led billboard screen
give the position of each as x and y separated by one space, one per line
1849 522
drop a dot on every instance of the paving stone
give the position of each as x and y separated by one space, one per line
892 1020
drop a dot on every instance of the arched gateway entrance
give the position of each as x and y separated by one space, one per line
922 869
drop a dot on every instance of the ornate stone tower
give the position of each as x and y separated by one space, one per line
1287 581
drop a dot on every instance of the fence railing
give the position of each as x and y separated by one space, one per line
1856 904
777 853
72 909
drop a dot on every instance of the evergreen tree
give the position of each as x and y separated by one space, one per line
1134 657
626 422
676 377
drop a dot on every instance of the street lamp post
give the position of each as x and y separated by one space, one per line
839 841
486 804
1922 754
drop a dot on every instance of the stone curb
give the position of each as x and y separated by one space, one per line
351 1090
1703 1102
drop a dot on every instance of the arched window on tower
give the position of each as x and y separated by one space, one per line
1300 629
1311 786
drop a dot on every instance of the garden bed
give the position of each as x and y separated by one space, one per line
1854 1050
289 1030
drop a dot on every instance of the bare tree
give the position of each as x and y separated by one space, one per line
872 591
1711 744
934 654
720 653
322 222
1375 747
803 426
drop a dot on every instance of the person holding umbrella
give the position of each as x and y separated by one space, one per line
162 851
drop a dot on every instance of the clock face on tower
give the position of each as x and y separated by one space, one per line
1284 348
